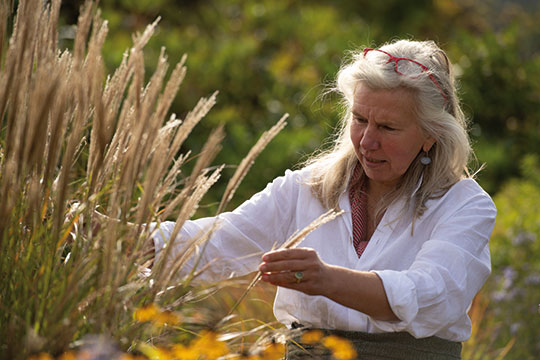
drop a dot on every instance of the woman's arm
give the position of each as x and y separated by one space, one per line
359 290
433 293
240 237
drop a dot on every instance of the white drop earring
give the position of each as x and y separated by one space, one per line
425 160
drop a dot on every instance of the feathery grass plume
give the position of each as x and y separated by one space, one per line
292 242
192 118
74 141
169 184
202 185
209 151
248 161
71 135
298 236
188 251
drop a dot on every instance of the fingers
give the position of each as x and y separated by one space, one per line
298 269
285 265
289 279
289 254
289 260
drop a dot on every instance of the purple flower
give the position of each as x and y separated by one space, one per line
509 275
524 238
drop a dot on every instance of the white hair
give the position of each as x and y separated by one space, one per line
439 116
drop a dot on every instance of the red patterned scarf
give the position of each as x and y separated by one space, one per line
358 200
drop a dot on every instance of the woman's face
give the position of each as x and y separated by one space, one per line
385 133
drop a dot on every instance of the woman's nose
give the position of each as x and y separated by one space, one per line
369 139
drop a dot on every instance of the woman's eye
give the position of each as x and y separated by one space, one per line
360 120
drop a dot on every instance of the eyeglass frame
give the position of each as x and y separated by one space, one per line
422 66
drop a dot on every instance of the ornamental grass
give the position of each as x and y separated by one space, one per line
87 161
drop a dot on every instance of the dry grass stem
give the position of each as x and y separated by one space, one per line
208 153
187 253
75 141
193 117
188 208
72 134
297 237
291 242
168 186
248 161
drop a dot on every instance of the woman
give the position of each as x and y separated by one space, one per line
397 272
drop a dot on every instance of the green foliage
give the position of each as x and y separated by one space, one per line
271 57
514 287
502 92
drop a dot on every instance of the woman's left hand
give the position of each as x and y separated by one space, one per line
299 269
302 269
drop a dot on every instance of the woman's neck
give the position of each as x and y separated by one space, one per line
377 190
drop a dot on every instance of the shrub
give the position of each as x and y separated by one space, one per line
507 313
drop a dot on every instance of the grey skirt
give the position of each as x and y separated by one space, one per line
400 345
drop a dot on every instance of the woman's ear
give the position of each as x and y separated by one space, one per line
428 144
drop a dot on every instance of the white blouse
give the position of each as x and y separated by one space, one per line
430 273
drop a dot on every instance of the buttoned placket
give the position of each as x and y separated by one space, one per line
382 232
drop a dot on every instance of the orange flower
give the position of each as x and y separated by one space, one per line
131 357
41 356
146 313
274 351
245 357
209 345
155 353
166 317
182 352
159 317
312 336
69 355
341 349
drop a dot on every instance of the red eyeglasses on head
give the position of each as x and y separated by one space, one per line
409 67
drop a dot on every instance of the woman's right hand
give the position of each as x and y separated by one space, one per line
299 269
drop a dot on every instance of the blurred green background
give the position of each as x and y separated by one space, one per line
269 57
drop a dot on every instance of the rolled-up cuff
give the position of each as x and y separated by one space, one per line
401 294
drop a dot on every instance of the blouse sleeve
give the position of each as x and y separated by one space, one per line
242 236
449 270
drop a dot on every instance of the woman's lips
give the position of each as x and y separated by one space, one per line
371 162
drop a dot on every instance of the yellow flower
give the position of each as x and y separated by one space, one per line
182 352
155 353
250 357
166 317
131 357
159 317
41 356
209 345
274 351
69 355
312 337
146 313
341 349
